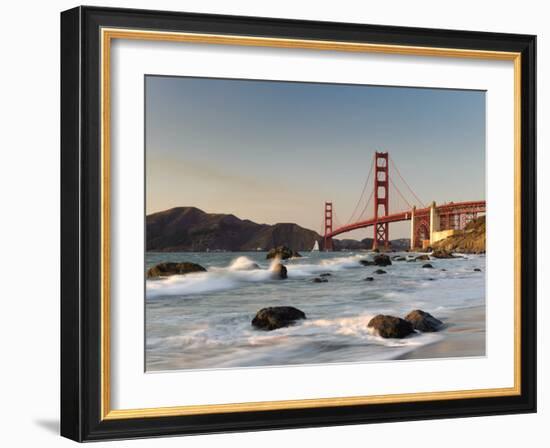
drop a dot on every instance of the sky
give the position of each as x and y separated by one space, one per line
275 151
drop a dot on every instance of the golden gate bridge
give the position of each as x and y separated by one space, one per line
428 223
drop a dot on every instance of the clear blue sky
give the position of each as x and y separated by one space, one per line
274 151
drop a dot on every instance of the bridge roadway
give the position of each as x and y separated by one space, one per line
449 208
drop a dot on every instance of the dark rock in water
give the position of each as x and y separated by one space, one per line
382 260
427 266
477 270
442 253
399 259
326 274
431 279
282 252
444 270
376 250
390 326
422 258
170 268
422 321
380 271
411 260
277 317
319 280
366 262
279 271
369 279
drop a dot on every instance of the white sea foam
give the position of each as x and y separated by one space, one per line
241 344
240 271
198 283
330 265
243 264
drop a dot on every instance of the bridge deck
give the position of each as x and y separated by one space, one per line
449 208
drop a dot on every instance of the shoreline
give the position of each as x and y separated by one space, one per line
464 336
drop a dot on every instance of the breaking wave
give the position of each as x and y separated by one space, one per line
241 271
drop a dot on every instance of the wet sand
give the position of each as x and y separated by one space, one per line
464 333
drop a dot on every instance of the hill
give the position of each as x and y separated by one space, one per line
191 229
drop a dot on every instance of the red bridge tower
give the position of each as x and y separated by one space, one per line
381 205
328 226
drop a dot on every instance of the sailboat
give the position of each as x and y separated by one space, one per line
315 247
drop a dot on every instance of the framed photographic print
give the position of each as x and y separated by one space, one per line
273 223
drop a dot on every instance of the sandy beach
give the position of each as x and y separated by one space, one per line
464 336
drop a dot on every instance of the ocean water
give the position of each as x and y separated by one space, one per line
203 320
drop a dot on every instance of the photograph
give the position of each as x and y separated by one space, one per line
307 223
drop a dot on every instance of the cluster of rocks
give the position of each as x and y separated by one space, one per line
442 253
378 260
385 260
395 327
390 326
385 326
282 252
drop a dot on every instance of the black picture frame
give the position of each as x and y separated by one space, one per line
81 224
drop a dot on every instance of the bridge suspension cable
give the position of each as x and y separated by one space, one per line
336 220
366 206
394 166
362 193
401 195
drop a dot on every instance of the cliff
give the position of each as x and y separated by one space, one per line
472 240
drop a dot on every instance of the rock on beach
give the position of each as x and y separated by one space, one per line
390 326
423 321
